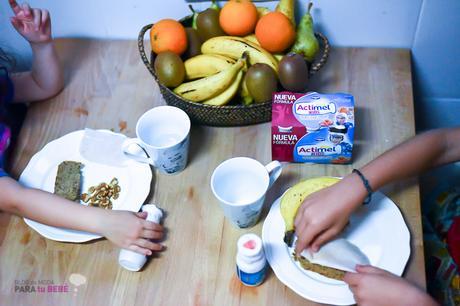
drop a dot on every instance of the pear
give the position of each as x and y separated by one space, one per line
306 43
214 5
194 16
262 11
287 8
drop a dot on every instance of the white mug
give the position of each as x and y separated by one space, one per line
163 136
240 185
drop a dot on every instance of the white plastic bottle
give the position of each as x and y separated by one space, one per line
251 264
133 261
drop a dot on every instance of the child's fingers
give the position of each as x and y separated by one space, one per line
20 25
16 24
152 226
142 215
140 250
14 6
45 17
26 10
323 238
37 15
369 269
352 279
304 237
147 244
148 234
46 22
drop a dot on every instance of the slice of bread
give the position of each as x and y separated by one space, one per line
323 270
68 180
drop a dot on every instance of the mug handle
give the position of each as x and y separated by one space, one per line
133 149
274 170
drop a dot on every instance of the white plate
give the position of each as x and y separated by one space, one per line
134 179
378 229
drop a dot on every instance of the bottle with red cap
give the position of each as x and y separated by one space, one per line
251 264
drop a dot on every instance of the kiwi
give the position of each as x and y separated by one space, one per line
170 69
293 72
262 82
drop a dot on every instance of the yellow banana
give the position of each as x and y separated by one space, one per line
252 38
278 56
208 87
234 47
227 94
287 8
244 93
204 65
293 198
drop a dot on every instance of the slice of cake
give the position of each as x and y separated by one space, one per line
68 180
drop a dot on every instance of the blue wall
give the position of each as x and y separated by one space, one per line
436 63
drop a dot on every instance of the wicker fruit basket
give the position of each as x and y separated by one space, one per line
227 115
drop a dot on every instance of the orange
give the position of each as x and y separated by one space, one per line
168 35
275 32
238 17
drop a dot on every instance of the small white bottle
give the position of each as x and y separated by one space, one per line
251 264
133 261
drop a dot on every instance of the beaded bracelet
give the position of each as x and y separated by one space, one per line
366 185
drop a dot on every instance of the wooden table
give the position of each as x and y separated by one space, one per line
107 86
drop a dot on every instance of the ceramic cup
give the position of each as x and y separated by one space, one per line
163 135
240 185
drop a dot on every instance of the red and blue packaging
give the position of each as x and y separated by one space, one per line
313 127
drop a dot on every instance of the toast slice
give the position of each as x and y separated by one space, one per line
68 180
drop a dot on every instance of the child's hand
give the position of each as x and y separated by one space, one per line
131 231
32 23
324 214
373 286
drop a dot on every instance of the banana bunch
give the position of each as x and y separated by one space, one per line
293 198
218 79
234 47
205 65
228 93
217 75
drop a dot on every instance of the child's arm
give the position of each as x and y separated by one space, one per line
125 229
46 78
373 286
316 225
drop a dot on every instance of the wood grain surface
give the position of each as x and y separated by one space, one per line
108 87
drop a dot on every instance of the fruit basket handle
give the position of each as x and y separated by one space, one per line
318 64
140 44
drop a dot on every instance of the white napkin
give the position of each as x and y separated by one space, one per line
103 147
